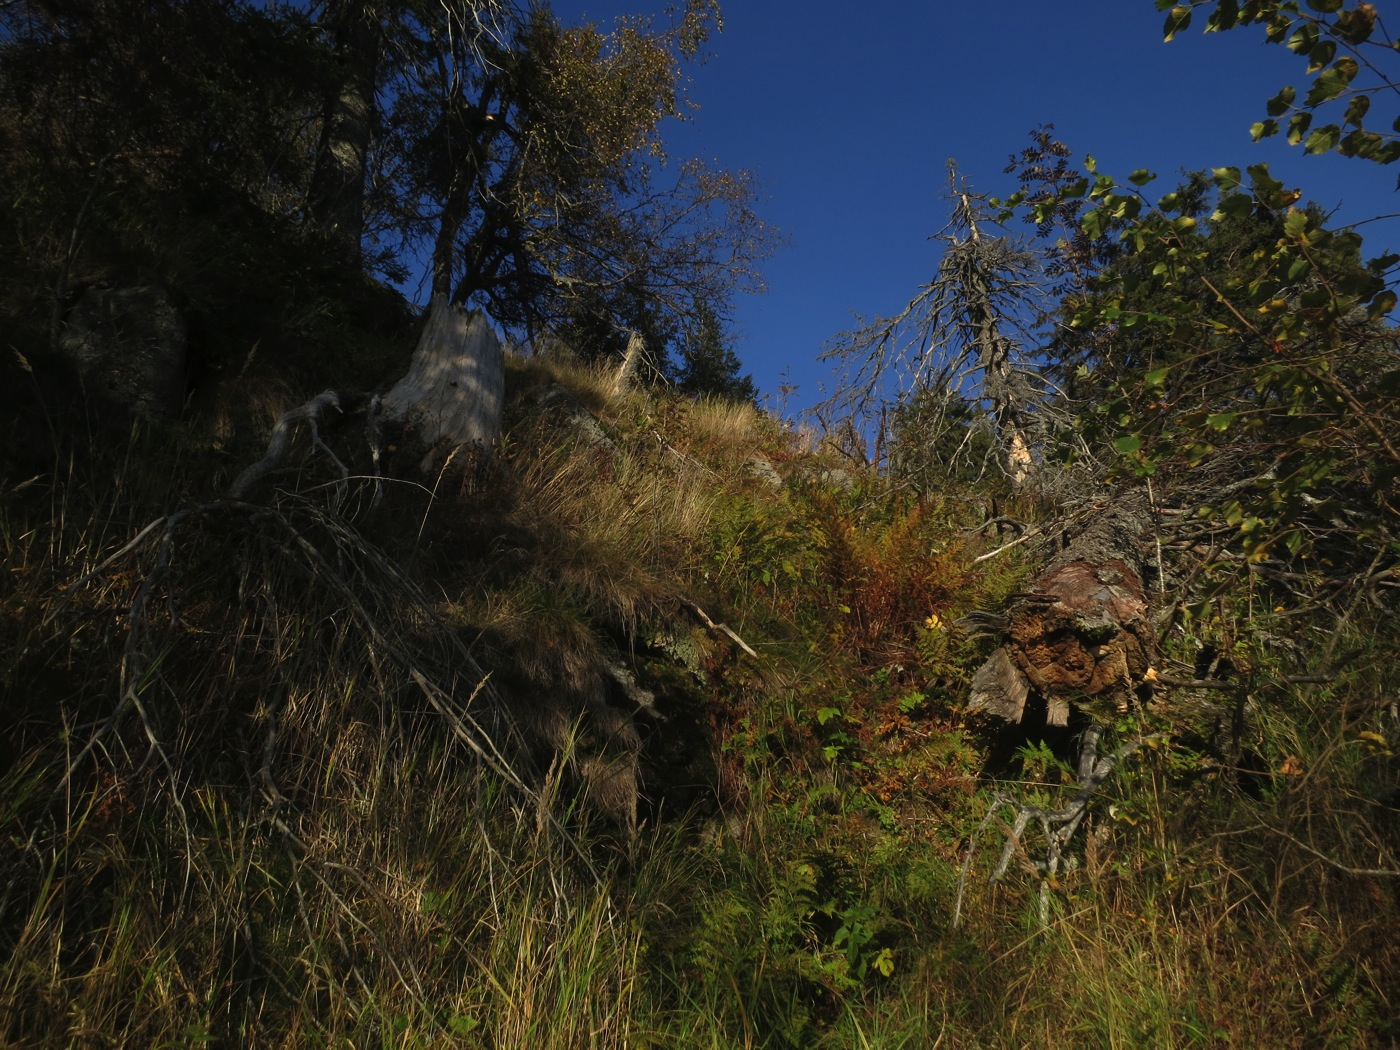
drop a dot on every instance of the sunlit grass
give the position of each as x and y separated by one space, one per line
278 840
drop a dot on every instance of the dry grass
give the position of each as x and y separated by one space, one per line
258 794
273 840
268 835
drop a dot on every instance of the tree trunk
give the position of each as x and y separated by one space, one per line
336 200
1084 635
454 391
994 359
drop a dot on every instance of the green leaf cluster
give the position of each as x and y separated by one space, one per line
1347 55
1237 331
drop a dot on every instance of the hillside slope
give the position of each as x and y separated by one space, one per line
648 731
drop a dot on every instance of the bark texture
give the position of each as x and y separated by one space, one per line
337 194
1084 635
454 391
626 376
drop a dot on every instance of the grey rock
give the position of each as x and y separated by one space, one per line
129 348
560 405
759 467
830 477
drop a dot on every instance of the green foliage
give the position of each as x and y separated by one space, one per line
794 878
235 154
279 836
937 435
526 157
1316 33
709 365
165 144
1236 324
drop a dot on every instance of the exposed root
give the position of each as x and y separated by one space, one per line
1058 825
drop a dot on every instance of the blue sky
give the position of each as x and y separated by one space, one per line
848 113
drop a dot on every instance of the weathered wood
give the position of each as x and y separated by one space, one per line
999 688
454 391
1084 634
313 413
631 363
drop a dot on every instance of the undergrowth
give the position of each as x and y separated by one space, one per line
300 772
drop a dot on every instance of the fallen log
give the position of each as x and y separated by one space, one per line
1083 635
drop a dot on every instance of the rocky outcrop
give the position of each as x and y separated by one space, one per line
561 408
128 347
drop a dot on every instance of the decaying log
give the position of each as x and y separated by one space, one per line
313 413
1083 633
1000 687
454 391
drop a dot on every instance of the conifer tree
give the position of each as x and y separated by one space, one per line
708 363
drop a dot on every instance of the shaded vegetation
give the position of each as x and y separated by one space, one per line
280 839
649 727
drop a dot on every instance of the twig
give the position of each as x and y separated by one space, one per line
310 413
1029 534
131 546
997 801
1058 826
1369 872
464 727
723 628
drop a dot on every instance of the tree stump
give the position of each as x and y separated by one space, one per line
1084 635
453 394
626 376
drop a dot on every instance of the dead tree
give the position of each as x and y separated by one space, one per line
1057 826
453 394
963 333
626 376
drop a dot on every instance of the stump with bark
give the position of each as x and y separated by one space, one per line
1083 636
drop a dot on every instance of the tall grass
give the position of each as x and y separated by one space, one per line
283 776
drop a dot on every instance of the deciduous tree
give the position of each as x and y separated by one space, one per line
529 156
1350 60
